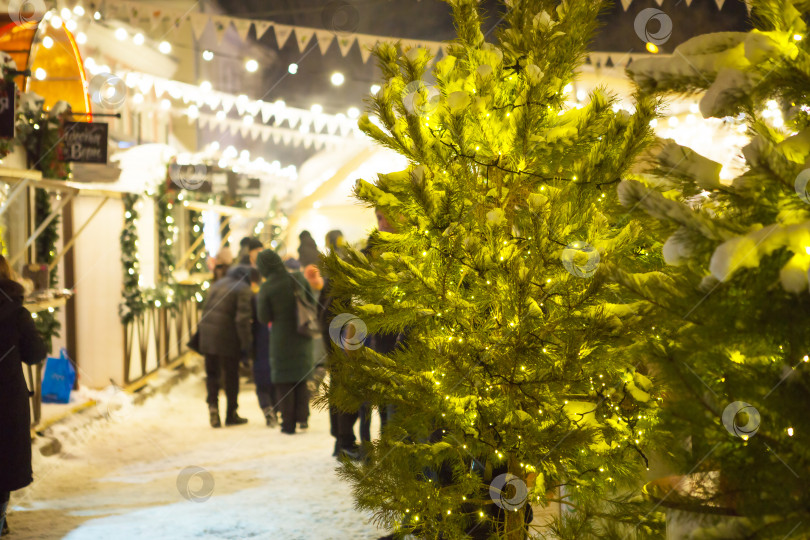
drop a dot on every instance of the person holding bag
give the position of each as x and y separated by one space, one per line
19 342
290 348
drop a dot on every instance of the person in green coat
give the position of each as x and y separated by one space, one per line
290 352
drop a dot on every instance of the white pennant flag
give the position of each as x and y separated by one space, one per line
255 131
227 103
293 117
332 125
220 26
318 123
267 112
160 87
283 33
626 4
266 133
276 137
366 44
242 27
345 43
213 100
303 36
199 22
234 127
286 137
307 142
325 38
261 28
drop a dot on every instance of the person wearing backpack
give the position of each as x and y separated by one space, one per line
19 342
290 351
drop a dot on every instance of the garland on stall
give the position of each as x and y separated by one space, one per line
166 232
132 304
195 231
40 132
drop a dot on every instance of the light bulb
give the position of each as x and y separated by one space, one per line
56 21
375 88
207 55
47 42
317 109
206 86
353 112
165 47
71 25
78 10
165 104
96 15
81 38
252 66
138 39
337 78
247 120
137 98
220 115
40 74
292 68
121 34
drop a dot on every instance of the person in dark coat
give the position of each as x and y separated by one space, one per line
225 338
308 250
290 352
19 342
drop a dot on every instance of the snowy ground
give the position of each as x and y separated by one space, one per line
130 476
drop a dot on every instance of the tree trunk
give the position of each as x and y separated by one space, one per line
515 523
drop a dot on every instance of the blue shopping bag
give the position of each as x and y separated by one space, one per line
57 382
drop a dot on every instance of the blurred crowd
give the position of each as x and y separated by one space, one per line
253 324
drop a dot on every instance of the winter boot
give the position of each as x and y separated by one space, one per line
214 414
3 519
270 416
233 419
303 425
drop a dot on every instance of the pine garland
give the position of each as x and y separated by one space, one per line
195 231
132 304
166 233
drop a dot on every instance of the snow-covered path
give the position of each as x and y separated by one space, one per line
124 479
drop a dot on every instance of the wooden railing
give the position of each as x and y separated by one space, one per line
157 336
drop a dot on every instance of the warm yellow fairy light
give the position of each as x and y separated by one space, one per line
790 432
652 47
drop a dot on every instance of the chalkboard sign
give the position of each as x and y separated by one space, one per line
85 142
7 93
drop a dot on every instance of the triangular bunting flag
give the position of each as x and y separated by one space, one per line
303 36
267 112
283 33
720 3
325 38
266 134
227 103
332 125
261 28
220 26
199 22
286 137
626 4
276 137
242 27
292 117
365 47
345 43
318 123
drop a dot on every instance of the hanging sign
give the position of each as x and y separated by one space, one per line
242 185
85 142
8 92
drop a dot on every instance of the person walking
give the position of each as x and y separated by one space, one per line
290 352
308 253
225 338
19 342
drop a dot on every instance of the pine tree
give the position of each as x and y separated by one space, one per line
517 355
738 284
